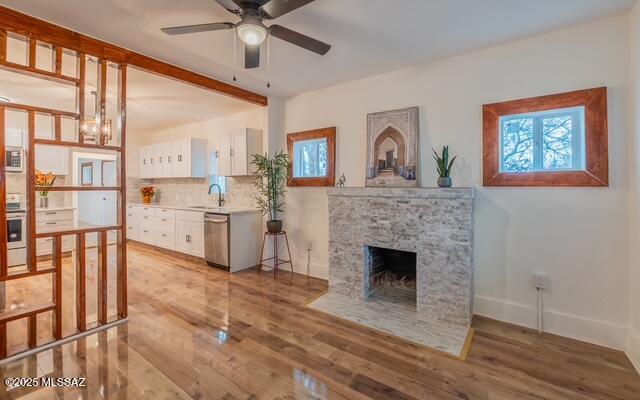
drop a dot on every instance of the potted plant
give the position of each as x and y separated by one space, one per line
147 193
44 180
270 178
444 166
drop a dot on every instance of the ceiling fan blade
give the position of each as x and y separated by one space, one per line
299 39
229 5
251 56
277 8
216 26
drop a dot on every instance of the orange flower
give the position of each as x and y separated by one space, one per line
44 181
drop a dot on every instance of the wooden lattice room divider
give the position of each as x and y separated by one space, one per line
63 42
31 311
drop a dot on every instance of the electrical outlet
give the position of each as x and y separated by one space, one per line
540 280
309 245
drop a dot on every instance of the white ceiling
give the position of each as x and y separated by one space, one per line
369 37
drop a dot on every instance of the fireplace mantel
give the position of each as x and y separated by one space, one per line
427 192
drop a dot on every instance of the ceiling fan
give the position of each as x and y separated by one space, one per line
252 31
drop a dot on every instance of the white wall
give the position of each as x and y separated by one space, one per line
578 236
633 342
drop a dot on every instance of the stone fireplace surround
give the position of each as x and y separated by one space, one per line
434 223
437 224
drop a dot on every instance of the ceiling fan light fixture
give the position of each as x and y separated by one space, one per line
251 33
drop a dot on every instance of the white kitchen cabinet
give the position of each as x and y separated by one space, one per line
235 150
51 221
190 232
52 159
185 158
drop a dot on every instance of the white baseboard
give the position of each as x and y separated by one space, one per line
315 270
588 330
633 348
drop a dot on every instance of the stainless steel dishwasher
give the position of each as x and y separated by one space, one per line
216 240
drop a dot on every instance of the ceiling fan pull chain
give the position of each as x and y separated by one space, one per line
268 60
234 53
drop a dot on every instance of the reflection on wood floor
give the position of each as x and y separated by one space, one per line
196 332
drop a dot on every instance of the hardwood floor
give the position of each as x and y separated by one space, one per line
196 332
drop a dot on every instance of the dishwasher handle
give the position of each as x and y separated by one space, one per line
216 218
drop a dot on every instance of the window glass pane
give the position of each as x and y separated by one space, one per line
557 140
517 144
310 158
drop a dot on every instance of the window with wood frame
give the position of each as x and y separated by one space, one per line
555 140
312 156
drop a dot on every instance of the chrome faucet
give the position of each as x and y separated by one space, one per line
220 199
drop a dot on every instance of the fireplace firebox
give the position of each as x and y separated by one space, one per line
391 275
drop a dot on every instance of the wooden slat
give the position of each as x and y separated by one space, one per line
102 277
32 331
25 312
121 267
77 188
57 287
64 143
58 60
41 110
38 73
28 274
3 200
3 45
31 56
3 340
81 285
57 127
31 193
76 231
27 25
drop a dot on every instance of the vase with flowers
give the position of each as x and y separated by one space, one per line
147 193
44 181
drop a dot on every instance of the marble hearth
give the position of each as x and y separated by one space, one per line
430 227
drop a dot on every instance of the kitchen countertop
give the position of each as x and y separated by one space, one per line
48 209
218 210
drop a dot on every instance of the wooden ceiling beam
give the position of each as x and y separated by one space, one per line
14 21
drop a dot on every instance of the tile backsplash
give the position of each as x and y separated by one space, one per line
193 191
17 183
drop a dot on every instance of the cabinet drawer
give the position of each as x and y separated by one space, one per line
44 246
145 235
191 216
166 213
164 224
52 226
133 219
146 220
149 211
132 232
165 240
131 209
44 216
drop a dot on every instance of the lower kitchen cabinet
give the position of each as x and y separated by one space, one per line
190 237
170 229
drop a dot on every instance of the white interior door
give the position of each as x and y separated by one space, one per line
109 178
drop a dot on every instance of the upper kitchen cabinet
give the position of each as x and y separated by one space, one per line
186 158
235 150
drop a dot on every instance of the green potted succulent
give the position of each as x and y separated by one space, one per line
444 166
270 178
